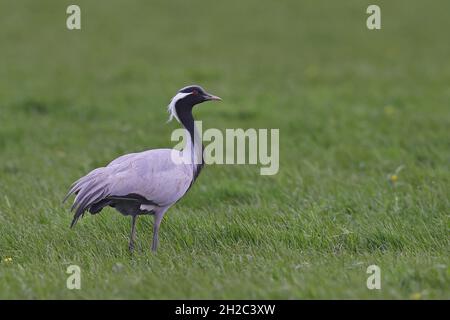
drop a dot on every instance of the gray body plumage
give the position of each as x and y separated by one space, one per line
148 180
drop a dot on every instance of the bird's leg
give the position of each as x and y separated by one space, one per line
133 233
157 223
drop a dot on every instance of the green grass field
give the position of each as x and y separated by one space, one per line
352 106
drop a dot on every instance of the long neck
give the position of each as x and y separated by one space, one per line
187 120
193 151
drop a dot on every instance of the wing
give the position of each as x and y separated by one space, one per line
124 158
150 174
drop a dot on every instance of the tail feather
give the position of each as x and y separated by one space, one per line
99 205
89 190
83 206
86 191
78 185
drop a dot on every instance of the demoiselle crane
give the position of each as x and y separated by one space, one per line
148 182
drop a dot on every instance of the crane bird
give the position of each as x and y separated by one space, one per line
148 182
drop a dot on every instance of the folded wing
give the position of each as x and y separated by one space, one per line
150 176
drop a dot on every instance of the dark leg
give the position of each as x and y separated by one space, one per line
133 233
157 223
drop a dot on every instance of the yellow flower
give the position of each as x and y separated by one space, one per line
7 260
416 296
394 178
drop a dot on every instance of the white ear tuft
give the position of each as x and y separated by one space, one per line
171 107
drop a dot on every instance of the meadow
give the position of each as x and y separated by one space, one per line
364 120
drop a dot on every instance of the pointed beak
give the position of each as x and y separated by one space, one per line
211 97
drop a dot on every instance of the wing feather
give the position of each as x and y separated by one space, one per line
150 174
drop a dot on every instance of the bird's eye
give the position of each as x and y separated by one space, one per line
195 92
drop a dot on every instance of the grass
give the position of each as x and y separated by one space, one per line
352 106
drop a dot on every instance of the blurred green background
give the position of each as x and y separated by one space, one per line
364 147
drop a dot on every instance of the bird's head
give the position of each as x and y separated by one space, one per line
186 98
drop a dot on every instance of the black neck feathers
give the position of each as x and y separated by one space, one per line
184 113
